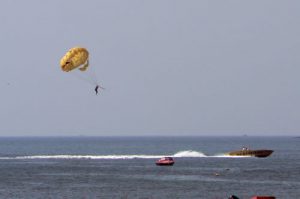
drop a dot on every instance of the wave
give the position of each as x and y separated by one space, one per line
228 156
189 154
180 154
85 157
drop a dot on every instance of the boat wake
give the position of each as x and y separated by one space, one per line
180 154
227 156
189 154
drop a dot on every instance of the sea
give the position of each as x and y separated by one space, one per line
124 167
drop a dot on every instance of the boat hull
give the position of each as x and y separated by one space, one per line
164 164
254 153
165 161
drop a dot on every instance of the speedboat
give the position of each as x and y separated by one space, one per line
262 153
165 161
254 197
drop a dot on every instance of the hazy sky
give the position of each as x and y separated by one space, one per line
169 67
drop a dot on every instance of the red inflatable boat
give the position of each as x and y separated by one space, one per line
165 161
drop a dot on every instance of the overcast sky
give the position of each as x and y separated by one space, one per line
168 67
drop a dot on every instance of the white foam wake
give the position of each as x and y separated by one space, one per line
180 154
192 154
228 156
177 155
89 157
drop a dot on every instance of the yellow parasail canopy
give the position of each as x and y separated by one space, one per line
75 58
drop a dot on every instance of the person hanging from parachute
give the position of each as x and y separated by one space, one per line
77 58
96 89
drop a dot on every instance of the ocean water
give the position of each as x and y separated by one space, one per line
124 167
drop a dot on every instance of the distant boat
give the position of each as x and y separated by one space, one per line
165 161
254 197
263 197
247 152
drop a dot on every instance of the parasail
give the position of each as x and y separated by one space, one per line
76 57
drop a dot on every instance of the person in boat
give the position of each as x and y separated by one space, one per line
244 149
